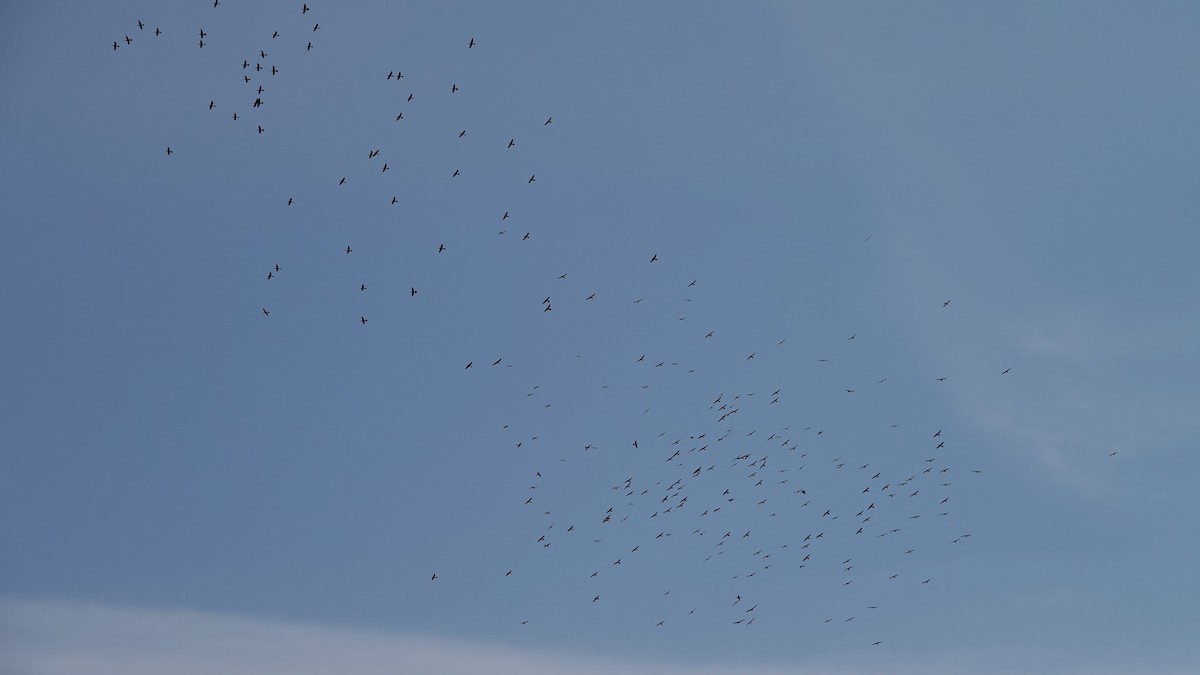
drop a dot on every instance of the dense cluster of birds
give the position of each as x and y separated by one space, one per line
716 482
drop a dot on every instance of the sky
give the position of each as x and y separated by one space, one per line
909 288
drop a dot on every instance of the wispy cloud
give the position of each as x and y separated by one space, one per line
61 638
68 638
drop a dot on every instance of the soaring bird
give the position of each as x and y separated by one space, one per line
512 142
469 364
265 312
363 319
471 43
168 149
532 178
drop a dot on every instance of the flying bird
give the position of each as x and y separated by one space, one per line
471 43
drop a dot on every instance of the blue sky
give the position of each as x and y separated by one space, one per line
174 458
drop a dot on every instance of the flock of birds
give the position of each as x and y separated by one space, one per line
717 483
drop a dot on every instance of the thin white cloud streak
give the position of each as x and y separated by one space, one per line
61 638
69 638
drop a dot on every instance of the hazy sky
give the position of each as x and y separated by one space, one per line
203 467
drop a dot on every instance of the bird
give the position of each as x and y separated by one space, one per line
453 88
1006 371
265 312
654 258
115 46
945 304
363 319
462 133
362 287
349 250
441 247
309 47
157 32
497 362
169 150
471 43
140 24
512 142
434 577
304 10
469 364
212 104
532 178
548 121
128 40
412 292
316 26
342 181
385 167
277 268
455 173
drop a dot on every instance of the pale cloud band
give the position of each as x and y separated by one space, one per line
70 638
